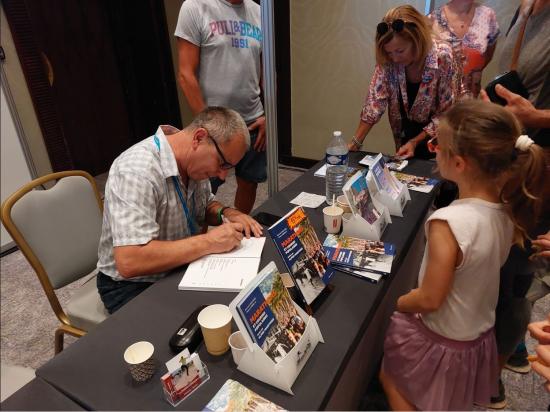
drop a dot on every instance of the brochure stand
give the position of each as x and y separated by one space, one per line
357 226
394 205
282 375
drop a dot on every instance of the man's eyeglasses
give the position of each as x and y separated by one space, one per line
397 26
432 144
225 165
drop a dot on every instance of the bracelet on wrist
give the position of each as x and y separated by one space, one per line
220 213
356 142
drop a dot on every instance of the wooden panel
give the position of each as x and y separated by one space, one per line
39 88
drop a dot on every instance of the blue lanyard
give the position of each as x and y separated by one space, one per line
190 220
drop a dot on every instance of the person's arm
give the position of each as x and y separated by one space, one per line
373 108
250 226
542 365
489 53
523 109
494 32
162 255
188 64
542 247
259 123
407 150
444 255
361 132
540 331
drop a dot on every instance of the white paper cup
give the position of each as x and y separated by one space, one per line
215 321
333 218
140 361
342 201
238 346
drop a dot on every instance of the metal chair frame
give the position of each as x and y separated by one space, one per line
66 327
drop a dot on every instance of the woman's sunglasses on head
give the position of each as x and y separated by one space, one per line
397 26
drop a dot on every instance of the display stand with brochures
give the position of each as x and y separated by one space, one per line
281 369
386 188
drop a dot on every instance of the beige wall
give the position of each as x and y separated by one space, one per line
332 55
23 101
172 9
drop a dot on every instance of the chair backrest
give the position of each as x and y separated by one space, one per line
58 229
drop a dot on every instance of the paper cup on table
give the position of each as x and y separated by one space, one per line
238 346
140 361
342 201
332 216
215 321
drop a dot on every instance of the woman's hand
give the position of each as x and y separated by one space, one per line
407 150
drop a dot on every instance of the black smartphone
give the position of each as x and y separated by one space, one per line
509 80
266 219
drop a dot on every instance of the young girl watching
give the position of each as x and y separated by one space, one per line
440 351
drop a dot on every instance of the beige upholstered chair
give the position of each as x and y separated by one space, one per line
58 231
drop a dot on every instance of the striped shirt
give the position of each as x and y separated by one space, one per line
142 201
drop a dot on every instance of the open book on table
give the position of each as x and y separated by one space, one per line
225 272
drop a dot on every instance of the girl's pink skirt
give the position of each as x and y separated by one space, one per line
437 373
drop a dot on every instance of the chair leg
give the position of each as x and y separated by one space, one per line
59 335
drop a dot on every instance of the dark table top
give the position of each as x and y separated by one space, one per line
38 395
93 371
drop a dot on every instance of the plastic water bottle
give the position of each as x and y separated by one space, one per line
336 160
337 150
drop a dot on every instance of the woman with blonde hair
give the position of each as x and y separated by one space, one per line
415 78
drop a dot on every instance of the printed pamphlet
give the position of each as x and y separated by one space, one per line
359 254
359 198
416 183
302 253
393 162
383 179
269 314
233 397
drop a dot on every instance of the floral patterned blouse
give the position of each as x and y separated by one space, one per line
437 91
469 50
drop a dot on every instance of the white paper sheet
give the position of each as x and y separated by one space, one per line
308 200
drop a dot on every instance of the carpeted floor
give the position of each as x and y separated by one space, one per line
28 323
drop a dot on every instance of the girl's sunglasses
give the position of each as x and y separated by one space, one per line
397 26
432 144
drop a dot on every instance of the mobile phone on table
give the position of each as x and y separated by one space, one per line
266 219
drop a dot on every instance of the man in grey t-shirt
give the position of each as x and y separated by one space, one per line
219 48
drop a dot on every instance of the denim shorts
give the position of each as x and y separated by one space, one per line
253 166
116 293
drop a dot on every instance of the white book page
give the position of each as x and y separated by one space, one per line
249 248
219 273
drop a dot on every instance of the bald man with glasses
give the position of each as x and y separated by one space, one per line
157 198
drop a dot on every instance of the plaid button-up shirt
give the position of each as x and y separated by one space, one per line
142 202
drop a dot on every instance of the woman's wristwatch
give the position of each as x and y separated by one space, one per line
356 142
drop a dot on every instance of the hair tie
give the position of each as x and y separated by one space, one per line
523 142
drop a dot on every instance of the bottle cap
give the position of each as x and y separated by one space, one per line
337 133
